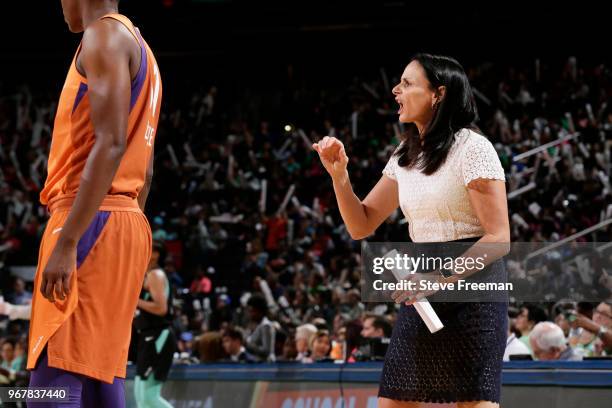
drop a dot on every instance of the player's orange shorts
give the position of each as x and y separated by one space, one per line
89 332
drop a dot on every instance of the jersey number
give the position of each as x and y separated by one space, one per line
152 105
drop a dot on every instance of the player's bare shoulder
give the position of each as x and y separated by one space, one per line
109 38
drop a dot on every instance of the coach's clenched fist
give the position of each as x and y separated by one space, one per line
333 156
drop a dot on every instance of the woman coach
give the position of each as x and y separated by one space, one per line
450 185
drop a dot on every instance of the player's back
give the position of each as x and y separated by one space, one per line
74 136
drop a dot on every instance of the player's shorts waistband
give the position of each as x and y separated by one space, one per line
115 202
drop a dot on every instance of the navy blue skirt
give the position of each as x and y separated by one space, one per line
460 363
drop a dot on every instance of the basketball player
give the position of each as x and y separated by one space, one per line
154 336
97 243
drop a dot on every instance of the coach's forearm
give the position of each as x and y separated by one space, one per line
96 181
351 209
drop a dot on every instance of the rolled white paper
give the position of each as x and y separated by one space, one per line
423 307
429 316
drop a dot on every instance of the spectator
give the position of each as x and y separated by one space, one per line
261 341
234 348
598 329
320 346
11 364
376 327
548 343
529 316
338 351
210 347
222 314
185 345
8 356
513 345
289 352
303 337
353 308
201 284
20 296
353 339
561 309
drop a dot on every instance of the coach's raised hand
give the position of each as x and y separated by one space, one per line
333 157
361 218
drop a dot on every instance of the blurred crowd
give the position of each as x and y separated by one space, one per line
261 266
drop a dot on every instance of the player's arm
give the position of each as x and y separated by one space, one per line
105 60
157 288
144 193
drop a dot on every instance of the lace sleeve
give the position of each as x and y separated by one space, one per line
480 160
391 167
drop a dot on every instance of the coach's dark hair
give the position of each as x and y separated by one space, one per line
455 111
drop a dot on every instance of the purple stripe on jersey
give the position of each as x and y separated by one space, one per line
138 82
80 94
90 236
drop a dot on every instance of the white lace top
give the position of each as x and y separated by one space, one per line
437 207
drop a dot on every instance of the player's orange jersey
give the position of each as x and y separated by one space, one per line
89 332
74 136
